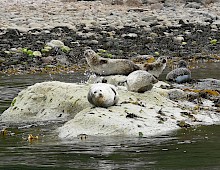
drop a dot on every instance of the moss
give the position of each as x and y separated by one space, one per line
27 52
65 49
13 102
140 134
157 53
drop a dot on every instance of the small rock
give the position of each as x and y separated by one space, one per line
37 54
130 35
47 60
62 59
55 43
178 39
193 5
176 94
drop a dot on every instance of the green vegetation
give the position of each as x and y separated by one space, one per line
13 102
213 42
27 51
65 49
104 53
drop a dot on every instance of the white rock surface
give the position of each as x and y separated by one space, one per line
146 114
47 101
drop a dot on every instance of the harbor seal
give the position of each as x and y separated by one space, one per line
140 81
181 74
103 95
107 66
155 68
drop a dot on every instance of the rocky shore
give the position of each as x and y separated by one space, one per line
183 29
51 36
157 111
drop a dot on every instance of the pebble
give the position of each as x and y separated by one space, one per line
96 12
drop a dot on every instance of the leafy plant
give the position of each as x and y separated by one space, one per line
213 42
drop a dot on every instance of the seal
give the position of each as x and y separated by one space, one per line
140 81
103 95
107 66
181 74
155 68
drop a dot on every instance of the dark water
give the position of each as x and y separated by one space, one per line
184 149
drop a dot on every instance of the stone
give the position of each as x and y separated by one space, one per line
140 81
47 60
130 35
176 94
47 101
55 43
62 60
193 5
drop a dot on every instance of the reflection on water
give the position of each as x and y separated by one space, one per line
185 149
189 149
204 70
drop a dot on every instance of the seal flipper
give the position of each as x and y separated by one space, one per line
103 61
115 97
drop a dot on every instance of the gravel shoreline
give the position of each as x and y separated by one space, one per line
189 31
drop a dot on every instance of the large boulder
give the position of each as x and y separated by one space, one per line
47 101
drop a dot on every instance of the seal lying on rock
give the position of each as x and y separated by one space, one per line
181 74
106 66
157 67
140 81
103 95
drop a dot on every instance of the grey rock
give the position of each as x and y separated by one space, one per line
193 5
62 60
47 60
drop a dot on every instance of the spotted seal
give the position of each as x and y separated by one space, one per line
181 74
103 95
155 68
107 66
